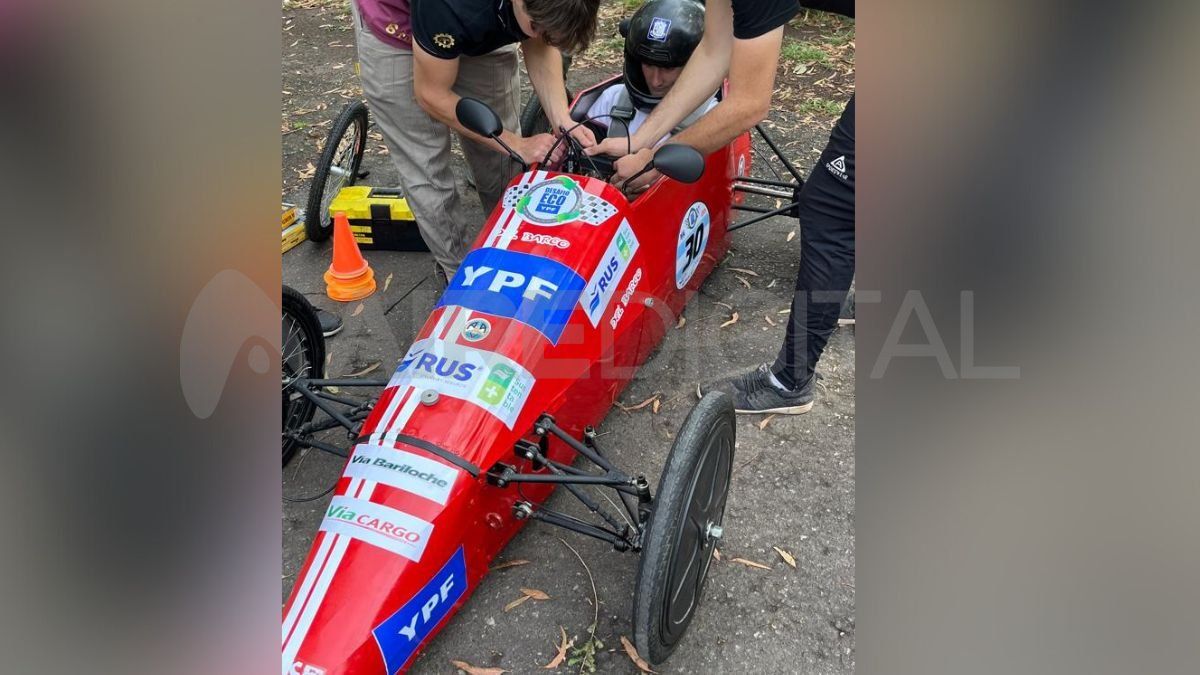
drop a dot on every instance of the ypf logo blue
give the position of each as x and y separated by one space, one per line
538 292
399 636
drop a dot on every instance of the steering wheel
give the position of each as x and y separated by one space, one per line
576 161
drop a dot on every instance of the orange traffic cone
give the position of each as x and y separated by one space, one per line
349 277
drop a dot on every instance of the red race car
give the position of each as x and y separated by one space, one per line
568 289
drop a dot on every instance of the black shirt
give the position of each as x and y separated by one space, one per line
752 18
452 28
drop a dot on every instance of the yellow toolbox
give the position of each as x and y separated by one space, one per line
293 228
380 218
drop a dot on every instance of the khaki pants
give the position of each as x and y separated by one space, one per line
420 145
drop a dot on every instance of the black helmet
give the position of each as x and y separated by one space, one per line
661 33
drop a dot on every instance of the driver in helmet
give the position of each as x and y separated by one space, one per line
660 38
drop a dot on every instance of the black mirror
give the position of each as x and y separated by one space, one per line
679 162
624 27
476 116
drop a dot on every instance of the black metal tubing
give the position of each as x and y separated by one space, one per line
354 405
576 525
765 181
751 190
779 153
324 447
752 209
764 216
328 409
343 382
546 422
616 482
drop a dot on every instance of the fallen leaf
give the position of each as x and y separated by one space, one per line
535 594
726 305
787 557
766 420
784 311
328 358
476 670
357 310
743 271
769 319
516 603
750 563
682 320
639 406
732 320
562 651
307 172
791 235
506 565
633 656
654 408
366 370
717 554
772 284
743 280
387 282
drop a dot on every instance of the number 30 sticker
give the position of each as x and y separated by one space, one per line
693 238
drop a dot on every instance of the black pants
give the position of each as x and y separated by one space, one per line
826 255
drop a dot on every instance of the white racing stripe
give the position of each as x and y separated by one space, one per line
324 571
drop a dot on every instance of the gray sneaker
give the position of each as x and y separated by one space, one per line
753 392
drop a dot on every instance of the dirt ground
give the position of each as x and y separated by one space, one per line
793 485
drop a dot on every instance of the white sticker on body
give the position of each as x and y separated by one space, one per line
402 470
378 525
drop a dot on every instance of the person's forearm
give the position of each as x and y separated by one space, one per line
544 64
700 78
441 105
726 121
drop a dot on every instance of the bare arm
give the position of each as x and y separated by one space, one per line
751 84
433 79
544 64
702 75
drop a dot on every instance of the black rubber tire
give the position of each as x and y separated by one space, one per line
533 119
350 127
303 354
701 459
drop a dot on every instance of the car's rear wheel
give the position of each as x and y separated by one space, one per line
303 349
684 528
337 168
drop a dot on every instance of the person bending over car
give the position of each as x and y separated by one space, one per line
659 39
742 39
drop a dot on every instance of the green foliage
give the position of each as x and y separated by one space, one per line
821 106
796 51
584 655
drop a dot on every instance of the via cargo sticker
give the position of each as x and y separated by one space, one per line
491 381
378 525
536 291
603 285
400 634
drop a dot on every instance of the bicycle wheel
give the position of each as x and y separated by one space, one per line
303 349
684 528
337 168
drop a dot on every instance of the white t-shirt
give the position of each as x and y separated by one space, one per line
608 98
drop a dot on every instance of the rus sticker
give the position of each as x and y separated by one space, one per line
603 284
489 380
